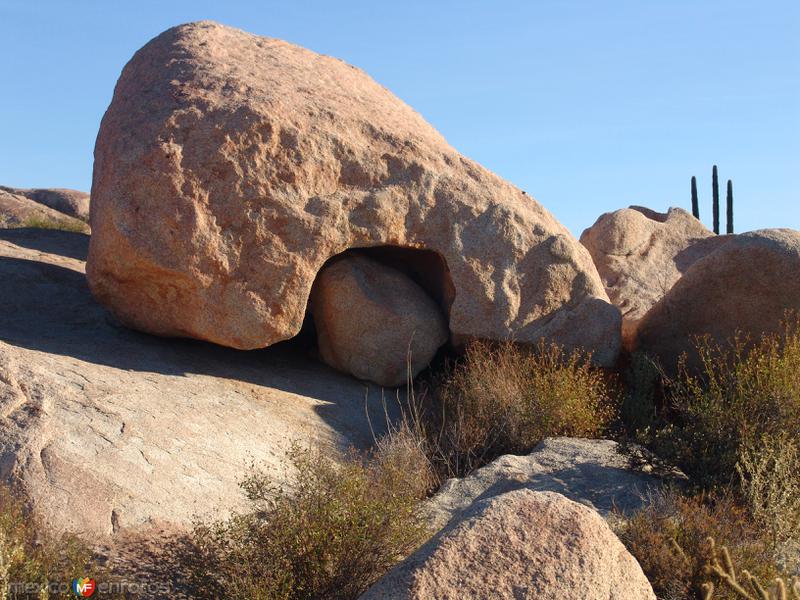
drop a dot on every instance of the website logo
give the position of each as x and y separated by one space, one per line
83 587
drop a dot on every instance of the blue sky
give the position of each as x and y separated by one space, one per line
588 106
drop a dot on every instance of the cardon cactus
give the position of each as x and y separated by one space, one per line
729 199
715 193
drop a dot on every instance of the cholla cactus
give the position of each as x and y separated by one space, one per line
744 585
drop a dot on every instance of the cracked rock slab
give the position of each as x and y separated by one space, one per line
108 430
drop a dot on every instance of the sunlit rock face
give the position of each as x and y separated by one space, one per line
230 167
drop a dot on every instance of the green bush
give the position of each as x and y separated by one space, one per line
505 398
329 534
742 393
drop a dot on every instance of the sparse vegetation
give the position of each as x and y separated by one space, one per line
770 483
337 528
744 584
742 393
669 539
65 224
733 427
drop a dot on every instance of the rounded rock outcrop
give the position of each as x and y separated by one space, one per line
230 167
520 544
640 254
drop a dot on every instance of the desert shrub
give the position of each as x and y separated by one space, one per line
35 563
770 483
330 533
505 398
669 538
742 392
65 224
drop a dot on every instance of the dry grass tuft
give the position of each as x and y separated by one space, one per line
744 392
506 399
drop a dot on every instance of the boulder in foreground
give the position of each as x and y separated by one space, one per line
230 167
371 319
519 545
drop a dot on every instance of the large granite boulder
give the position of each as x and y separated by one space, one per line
230 167
72 203
373 321
747 284
519 545
641 253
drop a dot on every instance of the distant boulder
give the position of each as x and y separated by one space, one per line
747 284
70 202
641 253
19 211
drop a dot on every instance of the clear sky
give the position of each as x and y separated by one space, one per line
588 106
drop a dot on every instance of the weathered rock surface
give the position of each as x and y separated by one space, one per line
592 472
19 211
108 430
70 202
519 545
747 284
641 253
370 318
230 167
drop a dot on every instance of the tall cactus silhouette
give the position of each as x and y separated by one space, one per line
715 194
729 201
695 203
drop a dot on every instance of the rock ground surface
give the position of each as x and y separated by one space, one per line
370 318
595 473
747 284
109 430
641 253
520 545
230 167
